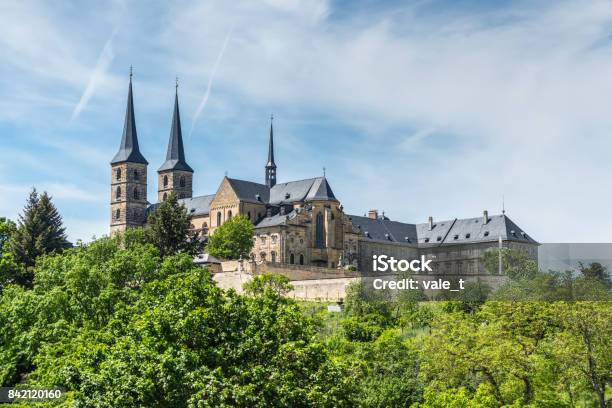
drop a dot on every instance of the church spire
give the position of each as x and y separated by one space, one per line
128 150
175 157
271 166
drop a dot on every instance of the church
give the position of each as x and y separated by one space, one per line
298 222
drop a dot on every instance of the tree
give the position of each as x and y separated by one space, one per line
169 229
268 282
232 240
7 230
595 271
39 232
516 264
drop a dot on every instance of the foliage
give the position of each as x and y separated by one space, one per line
232 240
7 230
119 326
169 229
595 271
260 285
516 264
38 232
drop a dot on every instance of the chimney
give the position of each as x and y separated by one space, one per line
373 214
430 222
485 217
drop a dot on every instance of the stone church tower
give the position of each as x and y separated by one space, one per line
129 177
175 175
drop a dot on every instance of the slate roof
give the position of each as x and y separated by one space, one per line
275 220
248 191
385 230
128 150
195 206
302 190
175 156
448 232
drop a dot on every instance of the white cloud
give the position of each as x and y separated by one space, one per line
97 75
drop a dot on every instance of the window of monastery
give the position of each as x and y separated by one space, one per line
301 240
118 174
262 256
249 215
263 239
229 215
136 195
273 257
205 225
165 181
118 193
218 218
273 238
301 259
117 214
136 175
165 196
182 181
291 259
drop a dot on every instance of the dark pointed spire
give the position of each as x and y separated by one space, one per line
128 150
175 157
271 166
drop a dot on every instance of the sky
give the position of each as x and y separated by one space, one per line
415 108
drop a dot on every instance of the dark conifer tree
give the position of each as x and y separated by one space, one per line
39 231
169 229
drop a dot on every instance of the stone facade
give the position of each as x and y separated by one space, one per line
128 196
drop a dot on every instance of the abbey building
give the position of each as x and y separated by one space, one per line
298 222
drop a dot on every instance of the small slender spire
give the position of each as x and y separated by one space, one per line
175 156
271 166
271 144
128 150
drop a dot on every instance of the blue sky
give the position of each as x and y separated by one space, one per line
416 108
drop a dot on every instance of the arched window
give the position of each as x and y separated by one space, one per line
165 181
118 193
273 257
117 214
118 174
301 259
291 259
218 218
249 215
136 195
262 256
320 232
205 225
136 175
165 196
182 181
229 215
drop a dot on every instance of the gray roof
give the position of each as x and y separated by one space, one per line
128 150
175 156
385 230
302 190
448 232
275 220
248 191
195 205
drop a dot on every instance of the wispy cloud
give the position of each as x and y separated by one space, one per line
97 75
211 78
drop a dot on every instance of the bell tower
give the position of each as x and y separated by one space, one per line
271 166
128 177
175 175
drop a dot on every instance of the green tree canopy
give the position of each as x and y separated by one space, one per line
39 232
169 229
232 240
